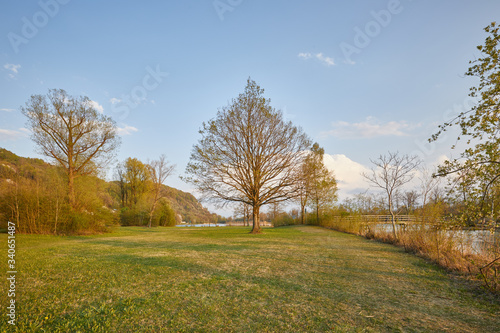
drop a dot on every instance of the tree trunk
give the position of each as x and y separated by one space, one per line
57 214
393 220
302 213
71 188
155 201
317 212
256 220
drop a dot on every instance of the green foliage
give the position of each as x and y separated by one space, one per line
164 215
322 186
476 173
134 216
33 194
283 220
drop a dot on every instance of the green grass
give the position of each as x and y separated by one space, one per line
289 279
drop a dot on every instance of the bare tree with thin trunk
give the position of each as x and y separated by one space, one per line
303 184
159 171
390 174
72 132
248 154
427 184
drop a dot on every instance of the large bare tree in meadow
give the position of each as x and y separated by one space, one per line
70 131
248 153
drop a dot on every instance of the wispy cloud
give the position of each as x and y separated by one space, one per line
7 110
370 128
12 135
325 60
126 130
115 100
13 69
305 55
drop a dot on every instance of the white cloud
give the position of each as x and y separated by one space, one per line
304 55
98 107
441 159
328 61
325 60
7 110
11 135
126 130
115 100
347 173
370 128
14 69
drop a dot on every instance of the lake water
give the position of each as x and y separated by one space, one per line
473 241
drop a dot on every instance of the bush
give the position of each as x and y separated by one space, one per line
164 215
283 220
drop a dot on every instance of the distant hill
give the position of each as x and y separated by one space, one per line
188 206
183 203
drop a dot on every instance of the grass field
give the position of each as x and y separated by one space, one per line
290 279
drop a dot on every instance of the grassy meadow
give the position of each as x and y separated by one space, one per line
289 279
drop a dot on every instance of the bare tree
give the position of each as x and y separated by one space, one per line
390 174
248 154
428 184
159 171
72 132
303 188
243 210
410 200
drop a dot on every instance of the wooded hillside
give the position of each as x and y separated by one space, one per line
33 194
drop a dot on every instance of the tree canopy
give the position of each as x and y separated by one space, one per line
70 131
477 171
248 153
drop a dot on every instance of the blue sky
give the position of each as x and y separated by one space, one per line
360 77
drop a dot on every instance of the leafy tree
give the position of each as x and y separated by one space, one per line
248 153
477 171
164 215
136 180
391 173
303 185
70 131
321 184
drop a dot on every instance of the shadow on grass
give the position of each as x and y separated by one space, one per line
202 270
167 245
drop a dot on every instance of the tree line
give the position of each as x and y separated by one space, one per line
249 155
